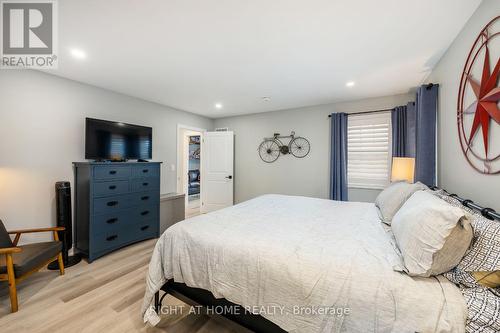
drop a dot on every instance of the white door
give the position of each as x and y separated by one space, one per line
217 170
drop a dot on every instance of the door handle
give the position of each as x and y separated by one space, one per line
145 198
112 187
111 238
145 227
112 203
112 172
111 221
229 177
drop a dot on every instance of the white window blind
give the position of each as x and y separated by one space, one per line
369 150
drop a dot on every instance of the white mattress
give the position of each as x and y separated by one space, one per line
302 259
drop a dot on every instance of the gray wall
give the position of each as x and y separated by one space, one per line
289 175
42 122
42 132
454 172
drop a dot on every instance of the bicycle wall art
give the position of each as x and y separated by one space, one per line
271 148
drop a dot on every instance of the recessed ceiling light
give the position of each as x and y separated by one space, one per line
78 54
266 98
218 105
350 84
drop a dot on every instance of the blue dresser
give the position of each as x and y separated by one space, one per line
116 204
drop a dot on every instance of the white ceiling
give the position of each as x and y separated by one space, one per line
192 54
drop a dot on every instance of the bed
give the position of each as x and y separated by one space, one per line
301 265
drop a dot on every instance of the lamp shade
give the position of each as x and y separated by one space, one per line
403 168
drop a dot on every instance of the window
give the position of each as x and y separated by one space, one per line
369 150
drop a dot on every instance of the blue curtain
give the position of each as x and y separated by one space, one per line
425 152
411 128
404 130
338 162
399 131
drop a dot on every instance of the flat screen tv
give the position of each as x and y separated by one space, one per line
110 140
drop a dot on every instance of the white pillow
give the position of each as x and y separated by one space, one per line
431 234
393 197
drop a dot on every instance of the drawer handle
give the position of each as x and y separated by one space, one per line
112 203
146 212
111 221
112 187
146 197
145 184
145 227
112 172
111 238
145 170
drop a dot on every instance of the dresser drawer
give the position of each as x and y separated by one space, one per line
144 213
144 184
112 221
144 198
146 229
102 189
143 170
121 236
111 204
113 239
108 172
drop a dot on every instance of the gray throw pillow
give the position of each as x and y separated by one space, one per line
432 235
393 197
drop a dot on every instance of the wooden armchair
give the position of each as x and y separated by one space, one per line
18 262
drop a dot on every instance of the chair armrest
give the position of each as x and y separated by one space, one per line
7 250
26 231
18 233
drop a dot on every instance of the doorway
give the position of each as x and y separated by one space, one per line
189 168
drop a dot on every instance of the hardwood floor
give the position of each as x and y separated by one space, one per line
105 296
193 207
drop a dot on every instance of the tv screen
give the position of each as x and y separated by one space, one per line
109 140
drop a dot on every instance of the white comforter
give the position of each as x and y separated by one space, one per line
297 261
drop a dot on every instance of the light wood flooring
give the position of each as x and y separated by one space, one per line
105 296
193 207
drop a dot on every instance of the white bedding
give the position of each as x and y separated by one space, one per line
303 255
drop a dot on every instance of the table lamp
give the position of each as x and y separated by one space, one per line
403 168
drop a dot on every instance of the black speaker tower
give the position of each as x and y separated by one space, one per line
63 216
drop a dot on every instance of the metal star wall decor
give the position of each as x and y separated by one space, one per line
484 108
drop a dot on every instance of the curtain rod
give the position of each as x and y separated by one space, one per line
428 87
372 111
363 112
